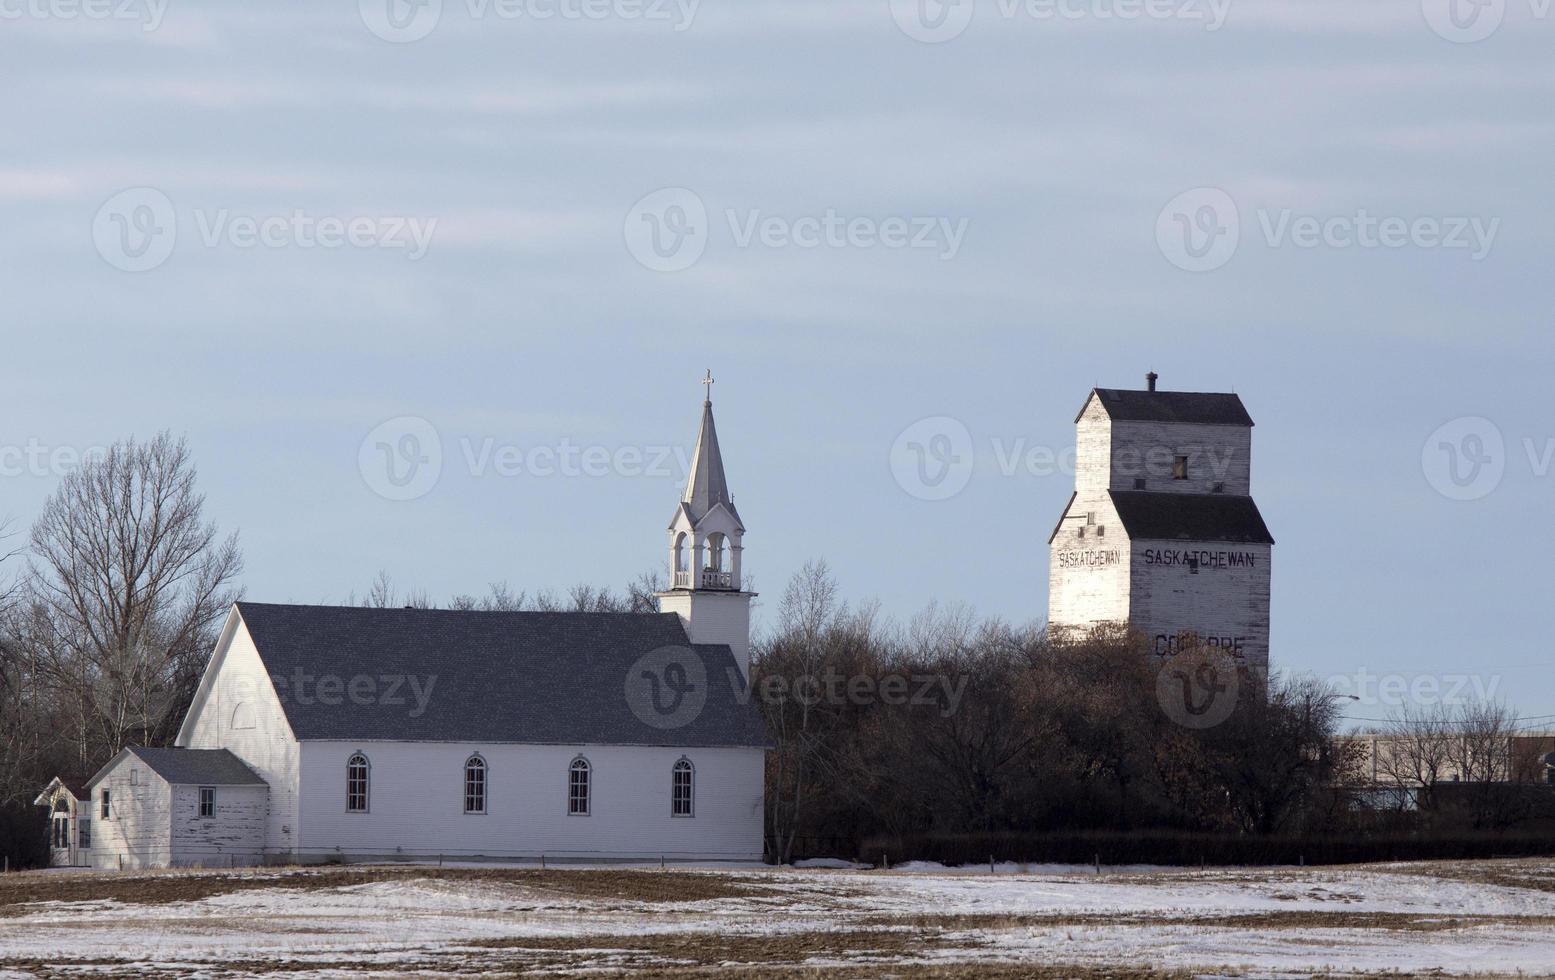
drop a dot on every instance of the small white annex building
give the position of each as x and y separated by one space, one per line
324 733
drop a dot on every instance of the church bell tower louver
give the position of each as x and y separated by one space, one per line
706 548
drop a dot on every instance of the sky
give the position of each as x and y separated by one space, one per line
431 288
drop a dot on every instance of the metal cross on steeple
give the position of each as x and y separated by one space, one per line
709 382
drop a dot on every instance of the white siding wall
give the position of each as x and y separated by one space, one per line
137 828
714 617
1226 603
235 836
242 713
1088 576
1216 454
417 802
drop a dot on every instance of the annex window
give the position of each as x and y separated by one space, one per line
682 789
356 783
578 788
207 801
1179 467
107 809
475 785
84 831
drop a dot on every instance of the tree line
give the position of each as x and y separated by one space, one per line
945 725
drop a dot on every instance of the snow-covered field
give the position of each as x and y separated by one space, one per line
1473 918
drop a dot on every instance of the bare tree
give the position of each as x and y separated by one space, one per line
125 587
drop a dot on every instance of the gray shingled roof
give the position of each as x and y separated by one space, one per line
1203 407
205 767
537 677
1154 515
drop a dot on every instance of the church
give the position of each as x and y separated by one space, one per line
323 733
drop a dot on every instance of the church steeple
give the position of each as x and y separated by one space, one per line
707 486
706 539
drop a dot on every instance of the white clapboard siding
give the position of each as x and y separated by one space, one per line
416 804
233 836
136 831
238 709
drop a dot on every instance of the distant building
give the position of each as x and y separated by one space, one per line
1161 532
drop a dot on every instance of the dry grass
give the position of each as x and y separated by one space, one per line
19 891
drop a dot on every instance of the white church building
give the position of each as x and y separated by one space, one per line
323 733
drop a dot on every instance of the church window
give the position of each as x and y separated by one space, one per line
356 783
578 788
84 830
243 715
682 789
107 810
207 801
474 785
1179 467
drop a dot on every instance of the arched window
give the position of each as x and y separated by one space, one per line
475 785
578 788
715 551
682 788
356 783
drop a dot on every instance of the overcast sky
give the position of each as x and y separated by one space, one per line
328 240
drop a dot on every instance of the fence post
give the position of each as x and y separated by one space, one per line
542 860
990 864
1098 864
